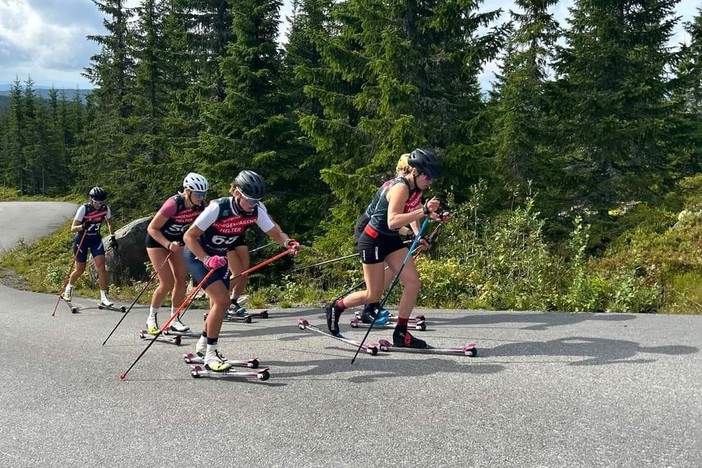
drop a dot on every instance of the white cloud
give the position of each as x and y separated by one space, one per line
46 39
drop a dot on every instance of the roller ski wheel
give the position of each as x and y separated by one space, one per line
263 315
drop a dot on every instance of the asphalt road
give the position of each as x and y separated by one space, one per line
547 390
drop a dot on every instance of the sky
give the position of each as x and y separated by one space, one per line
46 39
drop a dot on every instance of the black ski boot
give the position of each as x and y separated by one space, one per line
333 314
403 339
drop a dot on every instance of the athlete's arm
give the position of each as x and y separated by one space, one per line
77 225
397 196
198 227
167 210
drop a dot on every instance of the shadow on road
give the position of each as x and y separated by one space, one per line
596 351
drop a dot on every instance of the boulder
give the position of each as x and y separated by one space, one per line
128 261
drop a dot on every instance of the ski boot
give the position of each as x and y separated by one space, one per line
403 339
235 310
333 314
67 295
152 325
105 301
215 362
178 326
369 315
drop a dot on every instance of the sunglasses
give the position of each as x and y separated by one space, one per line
199 194
249 200
427 178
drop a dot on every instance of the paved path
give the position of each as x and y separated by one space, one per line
29 221
548 390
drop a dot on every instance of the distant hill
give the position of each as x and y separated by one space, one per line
43 91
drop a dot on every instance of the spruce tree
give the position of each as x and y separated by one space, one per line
614 86
522 129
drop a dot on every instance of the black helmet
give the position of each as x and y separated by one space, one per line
250 184
96 193
425 161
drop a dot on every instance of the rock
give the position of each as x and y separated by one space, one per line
128 261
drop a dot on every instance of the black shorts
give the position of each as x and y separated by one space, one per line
152 243
374 250
359 226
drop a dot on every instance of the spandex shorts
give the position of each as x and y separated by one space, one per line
90 244
374 250
198 270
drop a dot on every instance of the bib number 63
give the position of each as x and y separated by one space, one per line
224 240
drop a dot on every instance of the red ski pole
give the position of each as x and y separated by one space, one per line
68 273
190 298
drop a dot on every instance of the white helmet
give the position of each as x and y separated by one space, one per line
195 182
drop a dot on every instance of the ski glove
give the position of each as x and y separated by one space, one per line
215 262
113 242
293 245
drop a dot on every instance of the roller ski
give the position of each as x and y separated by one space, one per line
194 358
237 318
145 335
385 317
371 349
416 325
74 308
468 350
106 304
262 374
262 314
67 297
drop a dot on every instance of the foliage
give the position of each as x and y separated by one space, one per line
596 118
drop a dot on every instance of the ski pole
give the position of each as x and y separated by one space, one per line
362 282
261 247
190 298
68 274
165 327
394 281
327 262
246 272
165 261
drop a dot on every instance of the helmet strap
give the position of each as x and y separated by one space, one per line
414 180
